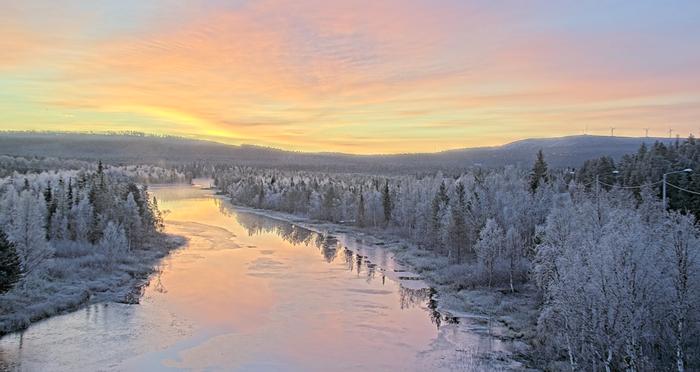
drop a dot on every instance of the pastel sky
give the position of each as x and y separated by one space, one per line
351 76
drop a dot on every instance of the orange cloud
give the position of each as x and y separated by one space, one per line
363 77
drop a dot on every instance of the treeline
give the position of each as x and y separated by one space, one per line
10 165
15 166
149 174
617 274
648 165
71 213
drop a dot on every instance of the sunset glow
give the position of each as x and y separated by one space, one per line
357 77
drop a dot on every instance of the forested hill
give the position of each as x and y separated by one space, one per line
134 148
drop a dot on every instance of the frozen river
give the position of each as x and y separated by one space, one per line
250 293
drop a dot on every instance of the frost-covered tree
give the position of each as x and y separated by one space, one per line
613 279
439 208
489 246
27 231
609 267
513 246
83 218
132 220
114 242
387 205
360 217
539 172
682 253
458 234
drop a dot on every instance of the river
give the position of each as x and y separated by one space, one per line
250 293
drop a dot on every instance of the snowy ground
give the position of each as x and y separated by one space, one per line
80 276
503 321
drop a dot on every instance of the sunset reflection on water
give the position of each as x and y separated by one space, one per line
246 293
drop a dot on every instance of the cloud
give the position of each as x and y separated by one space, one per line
356 76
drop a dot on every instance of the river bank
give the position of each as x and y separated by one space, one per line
80 276
495 313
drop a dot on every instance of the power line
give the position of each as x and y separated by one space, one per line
647 185
682 189
631 187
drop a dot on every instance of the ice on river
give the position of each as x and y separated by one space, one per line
251 293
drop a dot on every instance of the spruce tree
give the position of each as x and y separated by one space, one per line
10 271
360 220
539 172
458 224
386 203
439 204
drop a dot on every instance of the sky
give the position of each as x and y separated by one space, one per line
352 76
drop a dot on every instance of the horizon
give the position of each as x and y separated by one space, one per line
137 134
396 77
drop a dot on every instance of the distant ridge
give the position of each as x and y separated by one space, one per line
130 147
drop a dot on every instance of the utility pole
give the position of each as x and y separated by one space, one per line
663 193
670 133
646 131
612 131
597 197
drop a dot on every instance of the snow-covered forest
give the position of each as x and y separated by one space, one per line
617 275
146 174
648 165
71 233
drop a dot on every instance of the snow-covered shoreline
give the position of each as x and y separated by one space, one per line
505 317
83 280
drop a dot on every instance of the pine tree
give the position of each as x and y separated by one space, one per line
360 219
330 200
458 227
386 203
132 220
539 172
10 271
261 195
439 204
158 223
50 208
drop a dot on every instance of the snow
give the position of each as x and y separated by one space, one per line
80 278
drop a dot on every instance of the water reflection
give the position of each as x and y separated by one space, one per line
252 293
330 247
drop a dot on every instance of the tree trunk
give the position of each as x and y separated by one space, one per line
680 355
608 360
